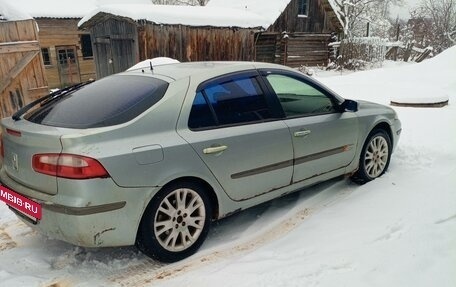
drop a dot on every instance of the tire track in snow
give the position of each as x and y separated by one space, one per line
6 240
152 271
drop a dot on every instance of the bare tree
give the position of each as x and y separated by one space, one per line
355 14
442 18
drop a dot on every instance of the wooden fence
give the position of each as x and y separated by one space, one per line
363 49
186 43
293 49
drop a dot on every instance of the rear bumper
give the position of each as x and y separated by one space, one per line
106 216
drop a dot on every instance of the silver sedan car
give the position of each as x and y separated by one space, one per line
151 156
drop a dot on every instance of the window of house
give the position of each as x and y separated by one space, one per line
46 56
86 46
16 99
303 7
235 101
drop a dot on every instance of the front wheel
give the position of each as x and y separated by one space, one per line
375 157
175 223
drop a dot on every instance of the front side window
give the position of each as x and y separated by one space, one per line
299 98
229 102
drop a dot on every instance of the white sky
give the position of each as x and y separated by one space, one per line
403 12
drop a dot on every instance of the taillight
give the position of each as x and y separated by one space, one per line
68 166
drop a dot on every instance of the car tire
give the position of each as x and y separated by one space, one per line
175 223
375 157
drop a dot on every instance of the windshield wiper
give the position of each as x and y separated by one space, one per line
46 99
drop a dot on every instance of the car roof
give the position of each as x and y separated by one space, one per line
211 68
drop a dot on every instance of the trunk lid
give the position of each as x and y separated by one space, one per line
23 139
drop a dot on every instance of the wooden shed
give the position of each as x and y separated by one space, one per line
298 33
125 34
223 30
22 74
66 51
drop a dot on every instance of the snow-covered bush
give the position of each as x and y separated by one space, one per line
359 53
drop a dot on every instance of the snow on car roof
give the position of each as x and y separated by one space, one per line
177 71
184 15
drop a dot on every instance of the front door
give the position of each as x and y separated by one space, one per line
324 139
230 126
68 65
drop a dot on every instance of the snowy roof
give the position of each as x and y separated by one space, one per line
336 10
9 12
61 8
185 15
270 10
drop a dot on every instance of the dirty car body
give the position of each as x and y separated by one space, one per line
151 156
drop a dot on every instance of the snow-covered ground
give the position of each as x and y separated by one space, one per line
399 230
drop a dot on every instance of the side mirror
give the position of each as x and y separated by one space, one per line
349 106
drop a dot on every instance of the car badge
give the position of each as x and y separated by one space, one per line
15 162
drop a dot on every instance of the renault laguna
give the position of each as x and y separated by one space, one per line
150 157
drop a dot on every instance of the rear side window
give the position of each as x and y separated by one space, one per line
230 102
109 101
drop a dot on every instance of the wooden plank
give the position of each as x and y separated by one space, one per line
28 57
13 33
36 93
4 26
22 46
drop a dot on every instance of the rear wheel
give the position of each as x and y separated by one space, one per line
375 157
175 223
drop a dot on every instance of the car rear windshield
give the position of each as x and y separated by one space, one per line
109 101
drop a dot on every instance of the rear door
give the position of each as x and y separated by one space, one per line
231 125
324 139
23 139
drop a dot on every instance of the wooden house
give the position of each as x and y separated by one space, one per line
246 30
66 51
125 34
22 74
298 31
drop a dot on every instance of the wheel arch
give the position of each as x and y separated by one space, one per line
386 127
379 126
148 244
209 189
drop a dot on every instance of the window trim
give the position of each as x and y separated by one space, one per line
276 112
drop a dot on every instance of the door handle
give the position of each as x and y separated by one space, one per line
301 133
215 149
